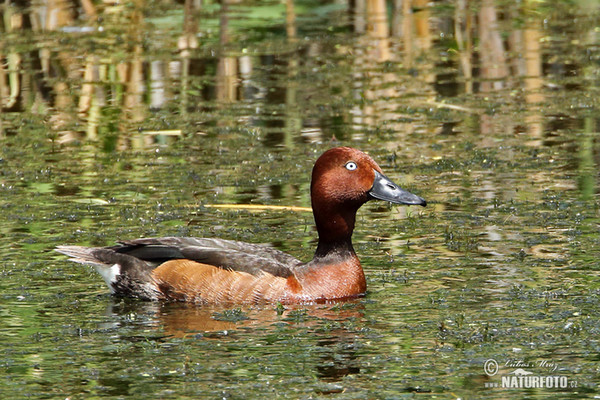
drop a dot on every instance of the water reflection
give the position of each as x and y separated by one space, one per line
183 319
111 76
489 108
331 326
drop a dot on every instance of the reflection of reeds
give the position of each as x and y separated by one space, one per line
9 79
9 90
491 49
533 79
227 66
378 30
462 31
186 43
107 67
385 94
290 20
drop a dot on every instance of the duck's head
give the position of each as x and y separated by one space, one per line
343 179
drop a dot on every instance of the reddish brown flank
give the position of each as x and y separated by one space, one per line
206 270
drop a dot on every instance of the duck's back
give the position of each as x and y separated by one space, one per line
228 254
190 269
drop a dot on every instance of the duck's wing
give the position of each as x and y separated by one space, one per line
227 254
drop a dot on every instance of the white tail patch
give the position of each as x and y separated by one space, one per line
109 273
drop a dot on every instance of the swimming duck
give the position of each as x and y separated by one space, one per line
208 270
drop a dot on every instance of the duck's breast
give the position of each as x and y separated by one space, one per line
330 281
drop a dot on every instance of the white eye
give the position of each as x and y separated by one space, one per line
351 166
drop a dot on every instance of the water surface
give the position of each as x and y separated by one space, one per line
126 121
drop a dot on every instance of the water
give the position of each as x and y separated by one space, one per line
135 123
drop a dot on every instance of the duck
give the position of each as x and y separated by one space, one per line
214 270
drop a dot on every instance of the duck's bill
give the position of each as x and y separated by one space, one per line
384 189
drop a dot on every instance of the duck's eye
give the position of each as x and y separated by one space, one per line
351 166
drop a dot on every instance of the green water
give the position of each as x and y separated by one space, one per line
501 264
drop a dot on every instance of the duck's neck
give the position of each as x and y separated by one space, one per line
335 229
334 249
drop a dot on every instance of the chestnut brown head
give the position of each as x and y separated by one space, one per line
343 179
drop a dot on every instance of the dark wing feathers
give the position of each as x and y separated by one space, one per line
154 254
229 254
